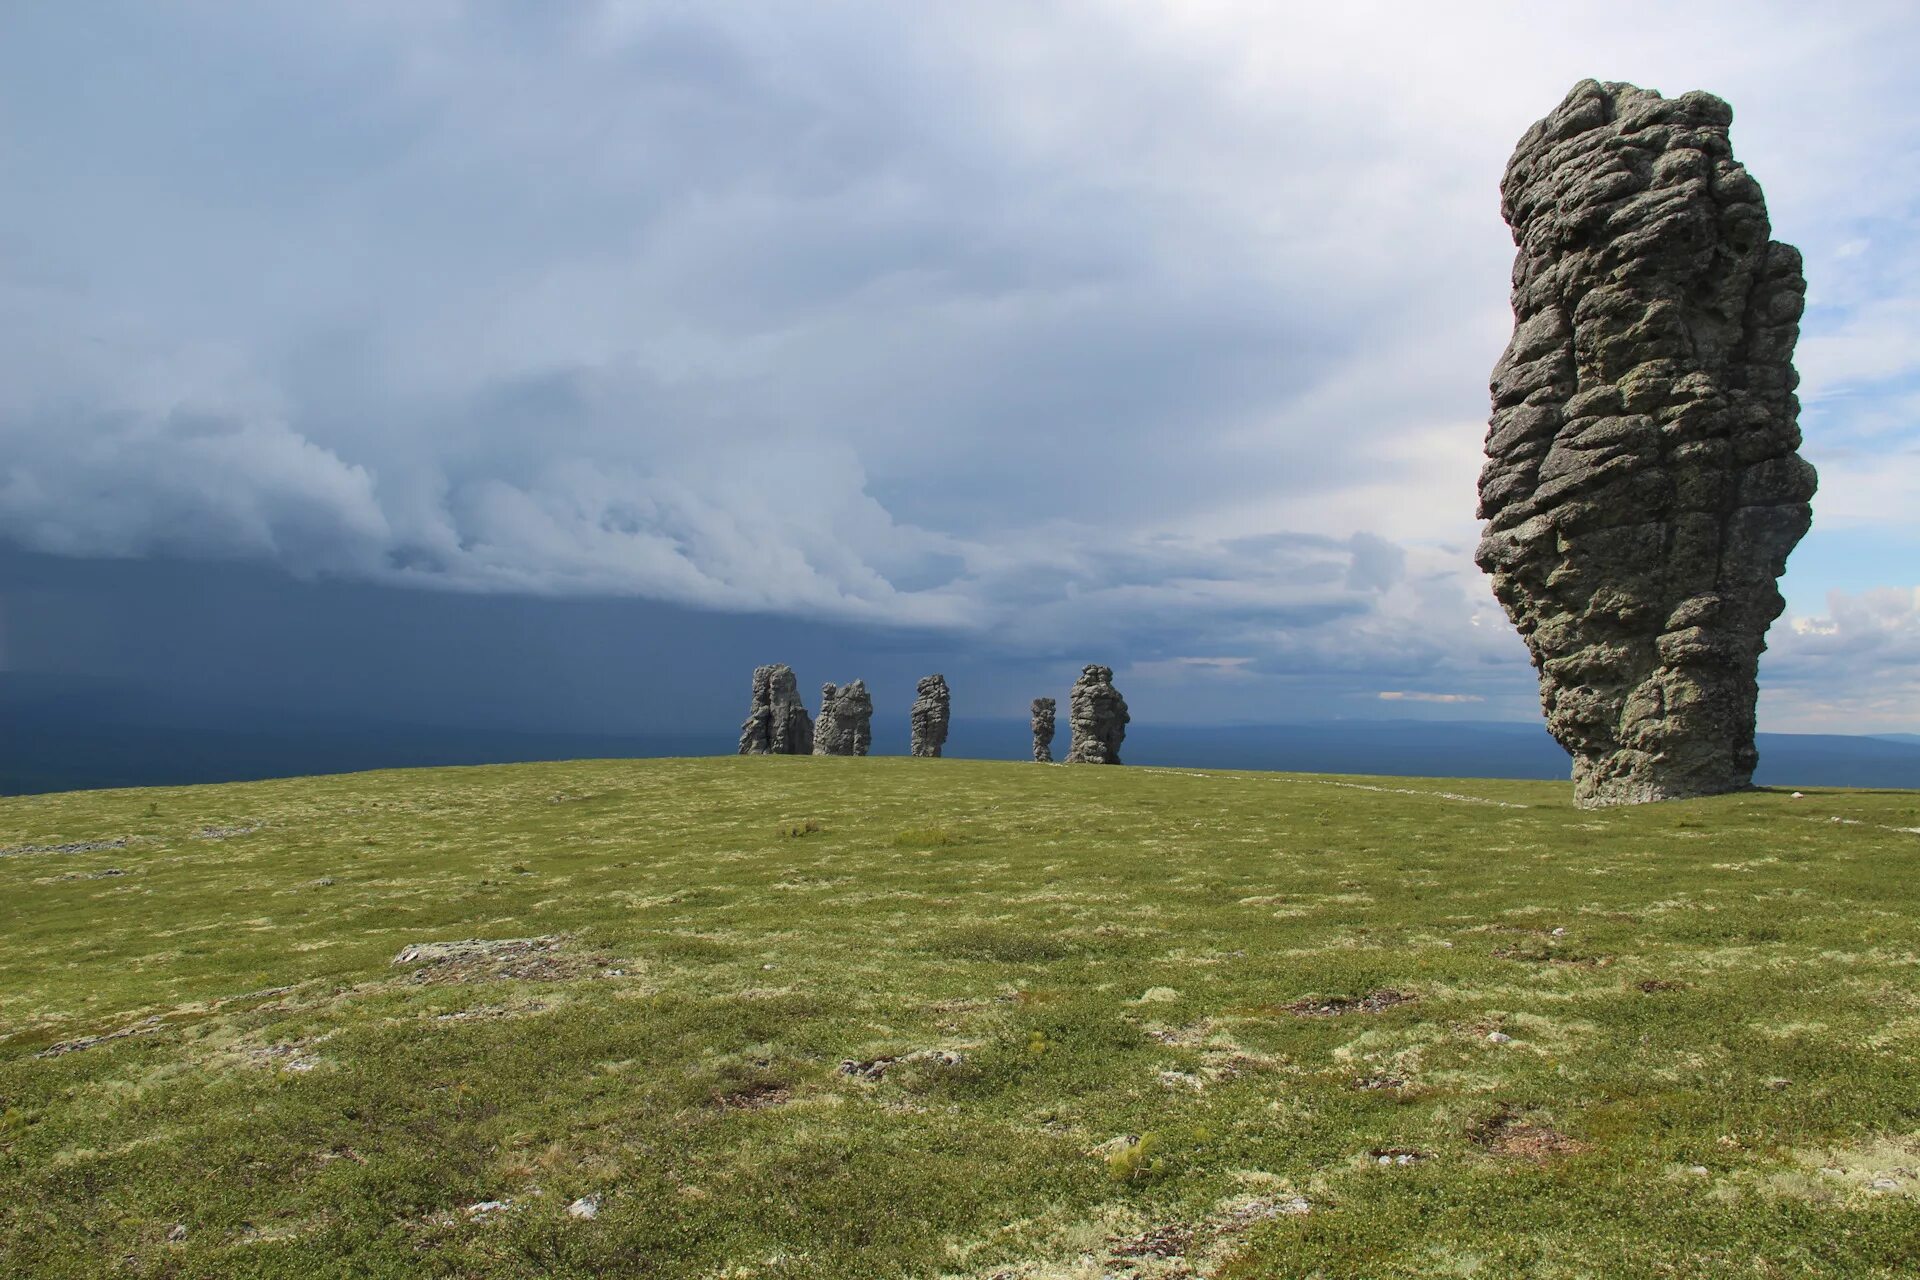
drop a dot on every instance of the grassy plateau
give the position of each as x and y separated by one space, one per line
886 1017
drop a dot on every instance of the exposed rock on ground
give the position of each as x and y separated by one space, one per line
877 1068
1097 717
541 959
72 846
845 726
778 724
1372 1002
1642 488
146 1026
1043 730
930 712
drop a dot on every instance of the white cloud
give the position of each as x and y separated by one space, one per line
1854 669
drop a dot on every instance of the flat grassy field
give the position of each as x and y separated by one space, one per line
890 1017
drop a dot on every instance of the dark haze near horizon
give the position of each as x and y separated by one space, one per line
136 673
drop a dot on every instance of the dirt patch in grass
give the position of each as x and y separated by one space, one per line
1334 1007
1653 985
1515 1136
754 1095
1180 1248
1190 1036
1169 1240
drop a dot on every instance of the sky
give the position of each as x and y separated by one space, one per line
553 364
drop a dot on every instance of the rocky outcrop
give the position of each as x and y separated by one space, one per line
1043 730
930 712
1096 717
778 724
1643 488
845 726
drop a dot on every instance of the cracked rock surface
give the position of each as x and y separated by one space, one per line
778 723
1642 487
1097 716
931 709
1043 730
845 726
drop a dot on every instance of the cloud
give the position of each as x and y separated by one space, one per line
1855 668
1158 328
1417 695
1185 670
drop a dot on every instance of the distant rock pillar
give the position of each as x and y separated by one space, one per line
845 727
856 716
1643 485
777 724
825 735
1043 730
930 712
1097 717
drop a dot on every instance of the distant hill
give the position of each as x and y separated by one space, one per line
60 756
63 744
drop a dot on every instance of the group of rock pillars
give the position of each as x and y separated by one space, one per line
1643 484
1096 717
778 723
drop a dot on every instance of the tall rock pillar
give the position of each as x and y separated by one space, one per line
1097 716
845 726
1642 486
777 723
929 714
1043 730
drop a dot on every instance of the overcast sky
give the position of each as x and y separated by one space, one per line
1006 336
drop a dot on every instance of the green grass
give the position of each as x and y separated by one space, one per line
1100 1022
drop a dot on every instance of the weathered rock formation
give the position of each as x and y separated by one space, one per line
1097 718
1642 488
930 711
778 724
1043 730
845 726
